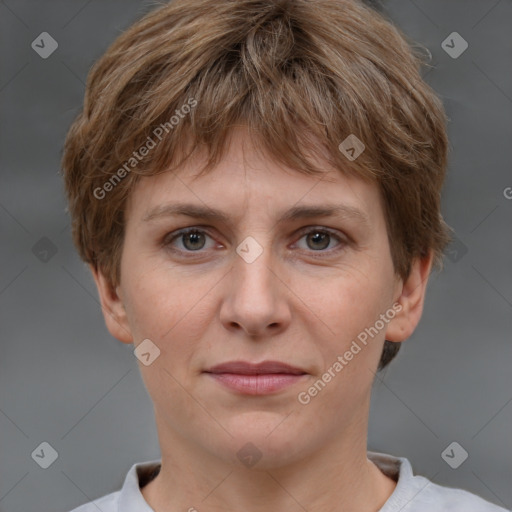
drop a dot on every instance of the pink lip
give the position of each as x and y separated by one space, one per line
256 379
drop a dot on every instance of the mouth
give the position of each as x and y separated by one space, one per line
256 378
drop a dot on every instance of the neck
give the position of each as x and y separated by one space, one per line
336 477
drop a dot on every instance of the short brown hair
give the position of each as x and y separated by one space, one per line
302 75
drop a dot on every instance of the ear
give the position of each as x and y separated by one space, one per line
112 308
411 298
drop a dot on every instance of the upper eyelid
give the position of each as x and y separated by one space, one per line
334 233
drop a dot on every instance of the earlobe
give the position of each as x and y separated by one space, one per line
411 300
112 307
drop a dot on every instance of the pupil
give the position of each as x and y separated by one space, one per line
318 237
194 238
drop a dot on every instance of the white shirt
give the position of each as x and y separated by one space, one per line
412 493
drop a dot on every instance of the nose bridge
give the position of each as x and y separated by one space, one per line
254 301
252 269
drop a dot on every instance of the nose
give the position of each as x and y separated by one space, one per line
256 300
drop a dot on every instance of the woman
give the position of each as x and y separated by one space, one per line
256 188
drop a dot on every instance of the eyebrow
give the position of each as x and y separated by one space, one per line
294 213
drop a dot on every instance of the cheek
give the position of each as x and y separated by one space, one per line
168 308
345 308
345 303
172 314
153 305
348 364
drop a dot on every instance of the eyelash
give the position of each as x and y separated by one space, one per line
168 240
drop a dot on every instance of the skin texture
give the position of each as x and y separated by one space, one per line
301 301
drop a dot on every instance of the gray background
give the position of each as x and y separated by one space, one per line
65 381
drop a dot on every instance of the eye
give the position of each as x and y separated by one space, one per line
191 240
319 239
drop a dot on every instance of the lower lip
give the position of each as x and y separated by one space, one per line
257 384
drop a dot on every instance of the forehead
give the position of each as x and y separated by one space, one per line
246 181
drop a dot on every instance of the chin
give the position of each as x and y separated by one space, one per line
263 448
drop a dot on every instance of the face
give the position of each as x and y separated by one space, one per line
270 277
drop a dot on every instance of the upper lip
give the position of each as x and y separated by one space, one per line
246 368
